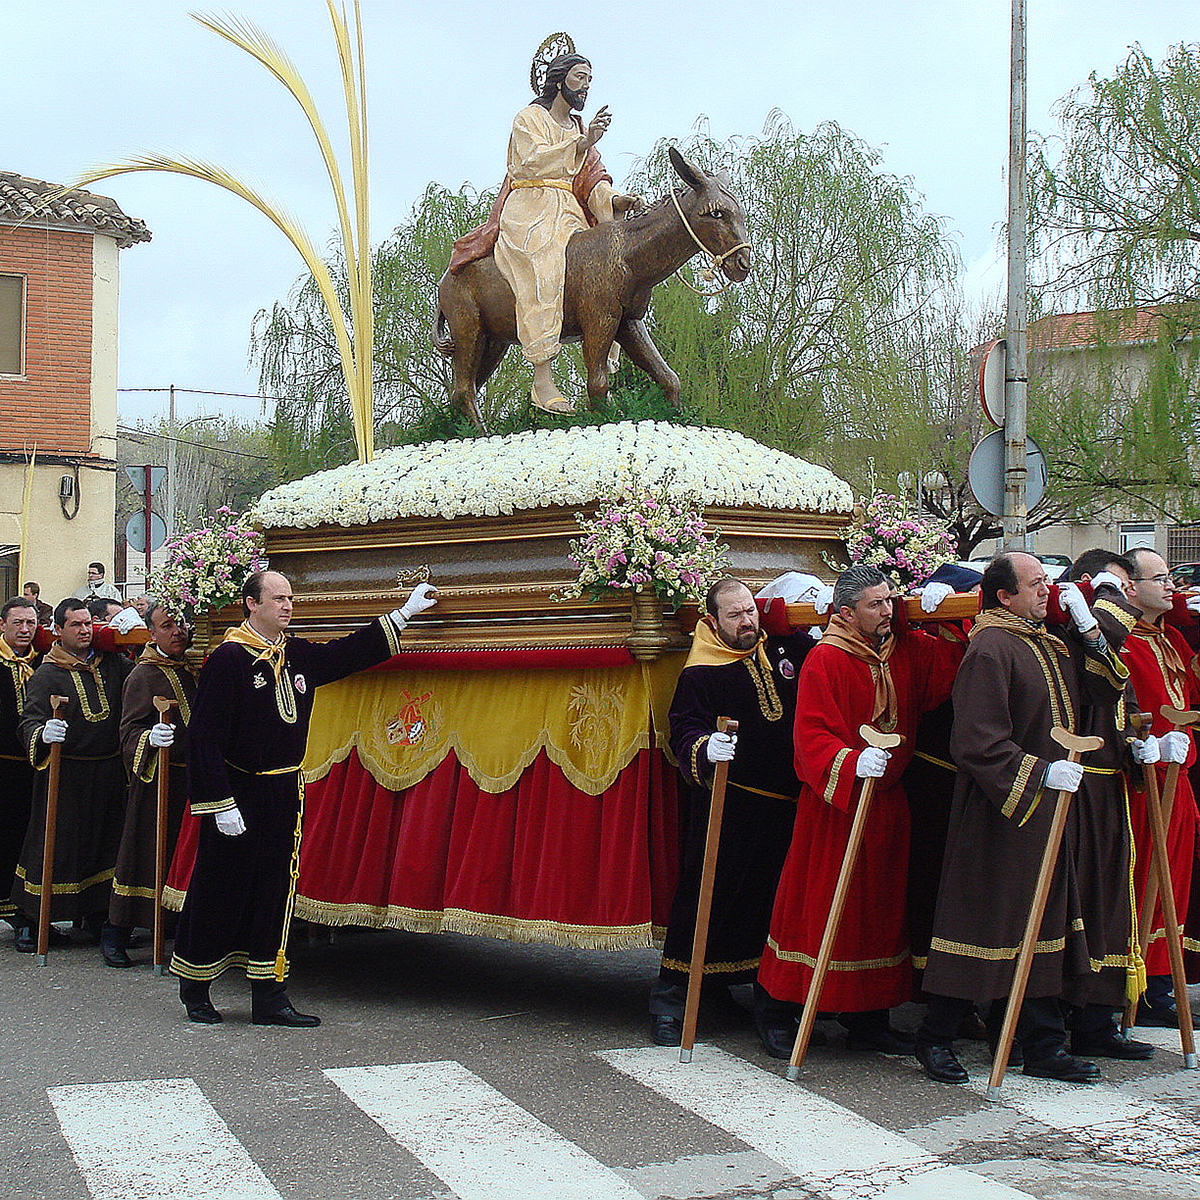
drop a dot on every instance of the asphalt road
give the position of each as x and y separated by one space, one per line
460 1067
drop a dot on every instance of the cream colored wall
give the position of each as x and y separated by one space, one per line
58 550
105 298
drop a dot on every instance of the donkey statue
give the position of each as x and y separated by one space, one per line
611 269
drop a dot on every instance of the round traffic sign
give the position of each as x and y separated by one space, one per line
986 473
991 380
135 531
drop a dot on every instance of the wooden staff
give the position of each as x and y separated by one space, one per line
716 809
43 946
164 706
1076 747
881 741
1158 880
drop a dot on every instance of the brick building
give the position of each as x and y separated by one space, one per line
59 289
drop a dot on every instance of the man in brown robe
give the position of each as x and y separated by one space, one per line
160 672
91 794
1016 683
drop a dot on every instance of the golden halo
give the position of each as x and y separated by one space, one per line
547 52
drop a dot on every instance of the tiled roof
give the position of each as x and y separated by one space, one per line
34 200
1065 331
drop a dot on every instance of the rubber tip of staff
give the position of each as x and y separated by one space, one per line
1189 1062
993 1093
685 1056
41 960
793 1073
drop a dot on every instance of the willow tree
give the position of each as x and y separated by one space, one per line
845 259
1115 199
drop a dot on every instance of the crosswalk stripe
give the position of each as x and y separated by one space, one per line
473 1138
1121 1125
155 1139
830 1148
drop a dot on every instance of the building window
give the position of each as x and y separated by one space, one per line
1136 536
12 324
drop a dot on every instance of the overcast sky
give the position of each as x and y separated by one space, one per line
83 83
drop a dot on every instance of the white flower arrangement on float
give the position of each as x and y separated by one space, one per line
494 476
644 539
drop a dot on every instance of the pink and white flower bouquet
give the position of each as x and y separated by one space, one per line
206 568
902 544
646 539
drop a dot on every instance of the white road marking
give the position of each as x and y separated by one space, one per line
155 1139
1120 1125
830 1148
473 1138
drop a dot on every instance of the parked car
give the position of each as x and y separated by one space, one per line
1186 574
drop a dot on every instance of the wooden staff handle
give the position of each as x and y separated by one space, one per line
52 777
881 741
958 606
708 872
164 706
1076 747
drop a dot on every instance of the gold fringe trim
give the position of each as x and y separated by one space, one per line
202 972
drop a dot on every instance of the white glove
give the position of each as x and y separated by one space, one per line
792 587
871 763
230 822
824 598
1193 604
162 735
721 747
1107 579
423 596
1072 601
126 620
1064 776
1173 746
54 730
932 594
1147 751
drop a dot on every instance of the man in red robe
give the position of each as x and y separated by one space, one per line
1160 662
860 673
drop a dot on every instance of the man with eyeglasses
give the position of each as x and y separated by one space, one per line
1160 668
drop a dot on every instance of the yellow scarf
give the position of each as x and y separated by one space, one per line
845 637
1001 618
709 651
263 651
156 658
65 659
23 662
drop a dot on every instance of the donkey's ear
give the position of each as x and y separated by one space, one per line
684 169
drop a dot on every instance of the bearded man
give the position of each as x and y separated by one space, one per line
861 673
733 671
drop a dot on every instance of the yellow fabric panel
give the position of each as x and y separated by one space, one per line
591 722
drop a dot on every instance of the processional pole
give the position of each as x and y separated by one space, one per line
1016 372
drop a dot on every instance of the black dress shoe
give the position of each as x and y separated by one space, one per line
884 1040
1113 1045
1064 1067
113 940
666 1030
940 1063
1162 1014
24 939
286 1015
203 1013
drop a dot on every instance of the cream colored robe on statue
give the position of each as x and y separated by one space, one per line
537 223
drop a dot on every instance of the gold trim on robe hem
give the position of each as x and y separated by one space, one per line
205 972
1003 953
838 964
63 889
713 968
